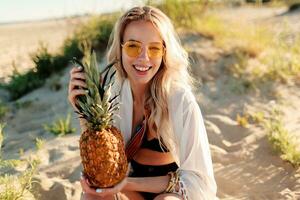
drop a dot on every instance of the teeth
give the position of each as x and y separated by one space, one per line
141 68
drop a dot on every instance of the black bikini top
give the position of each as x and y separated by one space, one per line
152 144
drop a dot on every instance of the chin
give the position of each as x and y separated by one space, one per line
141 81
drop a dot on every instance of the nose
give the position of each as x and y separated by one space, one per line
144 54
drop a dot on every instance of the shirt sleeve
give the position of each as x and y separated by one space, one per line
195 164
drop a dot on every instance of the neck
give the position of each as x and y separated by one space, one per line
138 92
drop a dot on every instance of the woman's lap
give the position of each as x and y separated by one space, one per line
132 196
168 196
125 195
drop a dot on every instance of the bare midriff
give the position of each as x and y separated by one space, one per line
150 157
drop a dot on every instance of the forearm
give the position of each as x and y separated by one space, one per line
147 184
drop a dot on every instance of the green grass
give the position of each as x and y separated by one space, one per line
250 39
277 55
181 12
19 185
23 104
283 60
3 109
61 126
281 140
39 143
95 32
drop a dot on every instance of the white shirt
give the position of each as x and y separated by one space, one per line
191 152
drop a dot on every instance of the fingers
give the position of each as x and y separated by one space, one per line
76 82
78 75
76 85
76 69
73 95
88 190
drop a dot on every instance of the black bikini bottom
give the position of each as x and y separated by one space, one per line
140 170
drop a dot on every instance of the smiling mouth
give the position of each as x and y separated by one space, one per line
141 68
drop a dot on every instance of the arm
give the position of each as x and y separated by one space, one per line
147 184
192 152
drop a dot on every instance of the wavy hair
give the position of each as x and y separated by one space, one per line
173 71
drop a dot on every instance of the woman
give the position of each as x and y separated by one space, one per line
174 160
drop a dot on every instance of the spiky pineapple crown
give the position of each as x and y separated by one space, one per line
97 106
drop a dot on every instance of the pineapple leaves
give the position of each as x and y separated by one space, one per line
97 106
106 70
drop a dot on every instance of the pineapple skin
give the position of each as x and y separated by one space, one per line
103 157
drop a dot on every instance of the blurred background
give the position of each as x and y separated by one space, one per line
244 54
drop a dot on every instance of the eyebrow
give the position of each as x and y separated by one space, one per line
134 40
141 42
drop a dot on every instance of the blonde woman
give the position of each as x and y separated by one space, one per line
173 160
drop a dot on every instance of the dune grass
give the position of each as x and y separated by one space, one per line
61 126
3 110
96 32
281 140
181 12
277 54
19 185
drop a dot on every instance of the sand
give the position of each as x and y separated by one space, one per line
19 41
244 164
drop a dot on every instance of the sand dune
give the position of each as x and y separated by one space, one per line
245 165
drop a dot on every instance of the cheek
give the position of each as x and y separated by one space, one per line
157 64
126 61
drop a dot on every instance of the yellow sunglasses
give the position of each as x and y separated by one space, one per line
134 49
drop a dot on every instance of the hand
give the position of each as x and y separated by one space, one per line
77 85
102 192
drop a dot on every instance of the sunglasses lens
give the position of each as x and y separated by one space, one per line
155 50
132 49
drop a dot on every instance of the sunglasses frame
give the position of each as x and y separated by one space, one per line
163 46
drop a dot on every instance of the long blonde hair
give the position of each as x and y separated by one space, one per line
173 71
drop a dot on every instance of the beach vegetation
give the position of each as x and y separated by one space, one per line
16 184
282 141
61 126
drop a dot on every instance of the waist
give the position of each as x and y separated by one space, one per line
140 170
155 158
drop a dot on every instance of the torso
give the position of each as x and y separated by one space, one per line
147 156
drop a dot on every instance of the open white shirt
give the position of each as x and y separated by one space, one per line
191 152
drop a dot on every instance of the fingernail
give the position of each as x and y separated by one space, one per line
86 91
79 67
99 190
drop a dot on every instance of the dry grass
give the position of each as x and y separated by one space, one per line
281 140
277 54
18 41
17 185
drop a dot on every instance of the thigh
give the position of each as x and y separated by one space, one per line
128 195
124 195
168 196
85 196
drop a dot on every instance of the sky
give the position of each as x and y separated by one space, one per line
26 10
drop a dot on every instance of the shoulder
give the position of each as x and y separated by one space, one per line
181 97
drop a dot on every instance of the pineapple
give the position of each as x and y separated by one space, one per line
101 146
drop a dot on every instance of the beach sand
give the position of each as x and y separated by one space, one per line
244 163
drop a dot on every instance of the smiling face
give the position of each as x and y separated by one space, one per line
141 68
